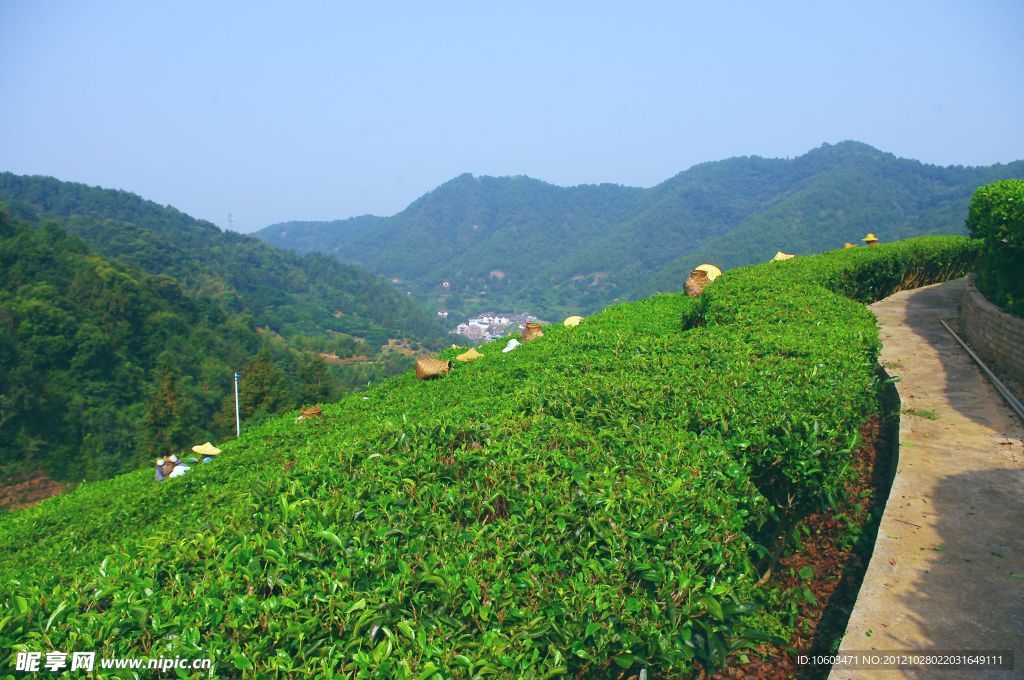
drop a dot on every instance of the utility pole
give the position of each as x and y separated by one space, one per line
238 416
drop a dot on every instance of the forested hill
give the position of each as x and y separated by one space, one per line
103 367
520 244
282 291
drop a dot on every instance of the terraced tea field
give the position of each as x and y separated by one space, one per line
602 500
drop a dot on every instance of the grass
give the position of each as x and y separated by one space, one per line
920 413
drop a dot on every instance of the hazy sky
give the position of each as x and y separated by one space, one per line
280 111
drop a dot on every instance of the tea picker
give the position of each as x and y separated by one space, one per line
169 467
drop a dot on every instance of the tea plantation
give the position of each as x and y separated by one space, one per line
596 502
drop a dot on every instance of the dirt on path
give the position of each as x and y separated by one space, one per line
947 572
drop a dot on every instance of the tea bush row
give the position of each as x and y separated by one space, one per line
598 501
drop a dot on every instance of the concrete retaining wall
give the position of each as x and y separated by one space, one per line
996 336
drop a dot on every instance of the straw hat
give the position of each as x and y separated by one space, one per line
848 245
779 256
431 368
712 271
870 238
470 355
572 321
206 449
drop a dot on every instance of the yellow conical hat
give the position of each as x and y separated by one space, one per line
779 256
469 355
206 449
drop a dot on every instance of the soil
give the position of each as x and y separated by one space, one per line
24 490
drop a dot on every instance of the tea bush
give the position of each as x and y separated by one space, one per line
996 217
598 501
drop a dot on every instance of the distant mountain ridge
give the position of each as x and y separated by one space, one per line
284 292
529 245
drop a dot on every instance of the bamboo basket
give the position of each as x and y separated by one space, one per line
696 283
532 331
431 368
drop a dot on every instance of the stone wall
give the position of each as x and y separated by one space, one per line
997 337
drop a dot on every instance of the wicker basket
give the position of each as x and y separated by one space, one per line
696 283
532 331
431 368
312 411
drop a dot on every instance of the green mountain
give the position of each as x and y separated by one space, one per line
283 292
845 191
519 244
123 322
103 366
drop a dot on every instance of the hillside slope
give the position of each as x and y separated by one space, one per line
609 513
520 244
283 292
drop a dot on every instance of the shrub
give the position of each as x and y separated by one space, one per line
996 217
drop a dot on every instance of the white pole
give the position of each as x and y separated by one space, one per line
238 417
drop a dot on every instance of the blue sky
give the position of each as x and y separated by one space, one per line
279 111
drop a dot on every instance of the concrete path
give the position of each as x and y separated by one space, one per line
947 572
